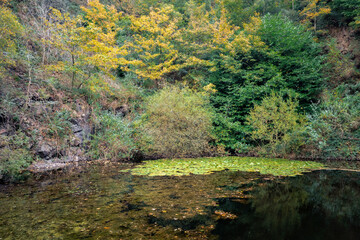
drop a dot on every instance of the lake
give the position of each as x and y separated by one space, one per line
103 203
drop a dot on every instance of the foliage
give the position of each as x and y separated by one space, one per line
10 29
112 138
357 21
211 41
86 43
274 120
177 123
313 10
161 49
234 52
299 57
334 126
15 156
239 11
340 67
290 65
59 126
345 11
181 167
152 50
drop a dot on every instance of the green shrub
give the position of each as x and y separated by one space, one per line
60 125
112 138
177 123
15 156
276 123
334 127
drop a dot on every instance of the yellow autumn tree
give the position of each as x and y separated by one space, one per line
152 52
211 40
87 43
313 10
10 28
196 38
159 47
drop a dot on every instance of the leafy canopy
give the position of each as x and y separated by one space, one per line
87 43
152 53
10 29
165 43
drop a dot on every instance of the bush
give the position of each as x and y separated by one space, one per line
276 122
177 123
59 125
15 156
112 138
334 127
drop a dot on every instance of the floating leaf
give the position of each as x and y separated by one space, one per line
202 166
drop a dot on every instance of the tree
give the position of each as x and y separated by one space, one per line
298 56
10 29
290 63
152 54
274 120
177 123
345 11
210 39
239 10
87 43
313 10
207 41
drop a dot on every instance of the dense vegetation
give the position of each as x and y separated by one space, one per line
147 79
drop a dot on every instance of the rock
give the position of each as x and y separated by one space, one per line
76 125
39 167
76 128
81 130
123 110
87 129
46 150
41 108
72 159
3 131
75 141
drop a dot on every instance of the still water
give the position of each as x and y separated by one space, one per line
102 203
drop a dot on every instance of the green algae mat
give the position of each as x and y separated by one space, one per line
202 166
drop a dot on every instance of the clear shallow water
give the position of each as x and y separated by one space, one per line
105 204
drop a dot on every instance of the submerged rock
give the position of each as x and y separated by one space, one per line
55 164
70 157
40 167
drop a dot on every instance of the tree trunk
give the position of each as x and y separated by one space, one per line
73 71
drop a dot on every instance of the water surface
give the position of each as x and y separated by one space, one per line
103 203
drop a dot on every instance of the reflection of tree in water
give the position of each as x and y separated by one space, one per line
318 205
278 204
336 194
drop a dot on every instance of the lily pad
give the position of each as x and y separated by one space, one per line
200 166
